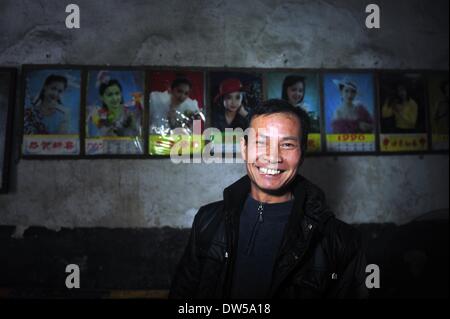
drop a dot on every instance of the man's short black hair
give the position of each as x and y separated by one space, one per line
274 106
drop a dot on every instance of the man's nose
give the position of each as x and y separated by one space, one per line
273 153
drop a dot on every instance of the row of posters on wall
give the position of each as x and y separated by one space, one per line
142 111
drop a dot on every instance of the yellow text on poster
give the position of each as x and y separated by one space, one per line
403 142
353 138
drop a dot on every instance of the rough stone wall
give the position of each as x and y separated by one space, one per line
213 33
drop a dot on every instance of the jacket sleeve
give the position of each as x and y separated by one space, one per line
353 274
187 275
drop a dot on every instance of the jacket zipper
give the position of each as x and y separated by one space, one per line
260 220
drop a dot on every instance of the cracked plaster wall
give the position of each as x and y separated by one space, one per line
264 33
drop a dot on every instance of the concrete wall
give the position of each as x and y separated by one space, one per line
265 33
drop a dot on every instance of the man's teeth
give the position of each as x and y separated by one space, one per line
269 171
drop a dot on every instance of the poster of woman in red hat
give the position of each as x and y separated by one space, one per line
233 96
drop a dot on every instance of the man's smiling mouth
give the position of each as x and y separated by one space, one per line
269 171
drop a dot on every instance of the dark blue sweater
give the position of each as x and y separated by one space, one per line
260 233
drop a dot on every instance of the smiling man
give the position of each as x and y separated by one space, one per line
272 235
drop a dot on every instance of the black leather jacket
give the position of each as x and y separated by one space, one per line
320 256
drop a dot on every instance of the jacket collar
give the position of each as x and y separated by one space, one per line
308 199
234 196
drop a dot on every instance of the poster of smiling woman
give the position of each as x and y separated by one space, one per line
114 112
300 90
349 101
51 112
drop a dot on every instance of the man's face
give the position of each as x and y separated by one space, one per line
273 154
180 93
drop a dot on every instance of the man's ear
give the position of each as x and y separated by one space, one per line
243 149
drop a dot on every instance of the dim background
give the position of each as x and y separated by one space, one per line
125 222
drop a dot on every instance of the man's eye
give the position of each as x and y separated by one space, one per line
288 145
